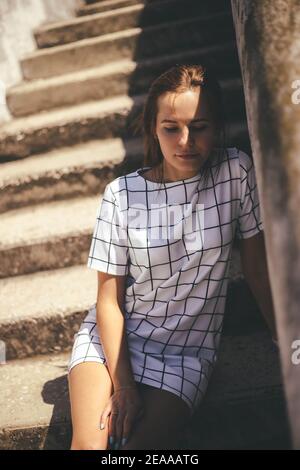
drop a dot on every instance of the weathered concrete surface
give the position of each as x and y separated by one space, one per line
268 39
115 78
80 170
99 119
140 15
134 43
41 312
35 397
47 235
106 5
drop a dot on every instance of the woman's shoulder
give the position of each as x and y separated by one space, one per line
122 182
240 155
118 189
236 157
231 165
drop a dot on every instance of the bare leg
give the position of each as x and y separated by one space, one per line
90 388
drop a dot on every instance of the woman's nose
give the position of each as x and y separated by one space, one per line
185 136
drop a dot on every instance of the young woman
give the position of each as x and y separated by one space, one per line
144 354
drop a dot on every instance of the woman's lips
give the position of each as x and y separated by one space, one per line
187 155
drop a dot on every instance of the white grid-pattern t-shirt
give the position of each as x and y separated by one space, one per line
176 286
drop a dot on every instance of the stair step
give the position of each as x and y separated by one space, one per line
93 2
134 43
80 170
90 2
241 381
97 119
44 309
139 15
106 5
116 78
36 396
97 24
47 235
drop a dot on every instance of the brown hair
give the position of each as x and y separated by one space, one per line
177 79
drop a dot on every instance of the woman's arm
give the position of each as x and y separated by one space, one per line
254 264
111 328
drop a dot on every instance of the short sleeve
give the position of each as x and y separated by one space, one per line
249 221
109 248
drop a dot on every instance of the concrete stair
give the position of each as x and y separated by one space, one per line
71 134
81 170
107 5
96 51
122 77
139 15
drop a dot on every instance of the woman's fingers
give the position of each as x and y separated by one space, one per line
104 416
123 425
112 428
124 409
128 425
127 428
118 430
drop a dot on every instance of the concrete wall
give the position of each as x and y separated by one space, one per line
268 40
17 20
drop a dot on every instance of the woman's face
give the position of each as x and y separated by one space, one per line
185 131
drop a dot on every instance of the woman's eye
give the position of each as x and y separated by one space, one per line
171 129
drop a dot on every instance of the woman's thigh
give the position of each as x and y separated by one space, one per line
90 388
160 427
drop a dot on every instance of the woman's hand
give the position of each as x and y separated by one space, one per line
124 408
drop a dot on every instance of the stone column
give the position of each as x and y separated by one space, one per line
268 40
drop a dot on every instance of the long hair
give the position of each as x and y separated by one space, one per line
178 79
